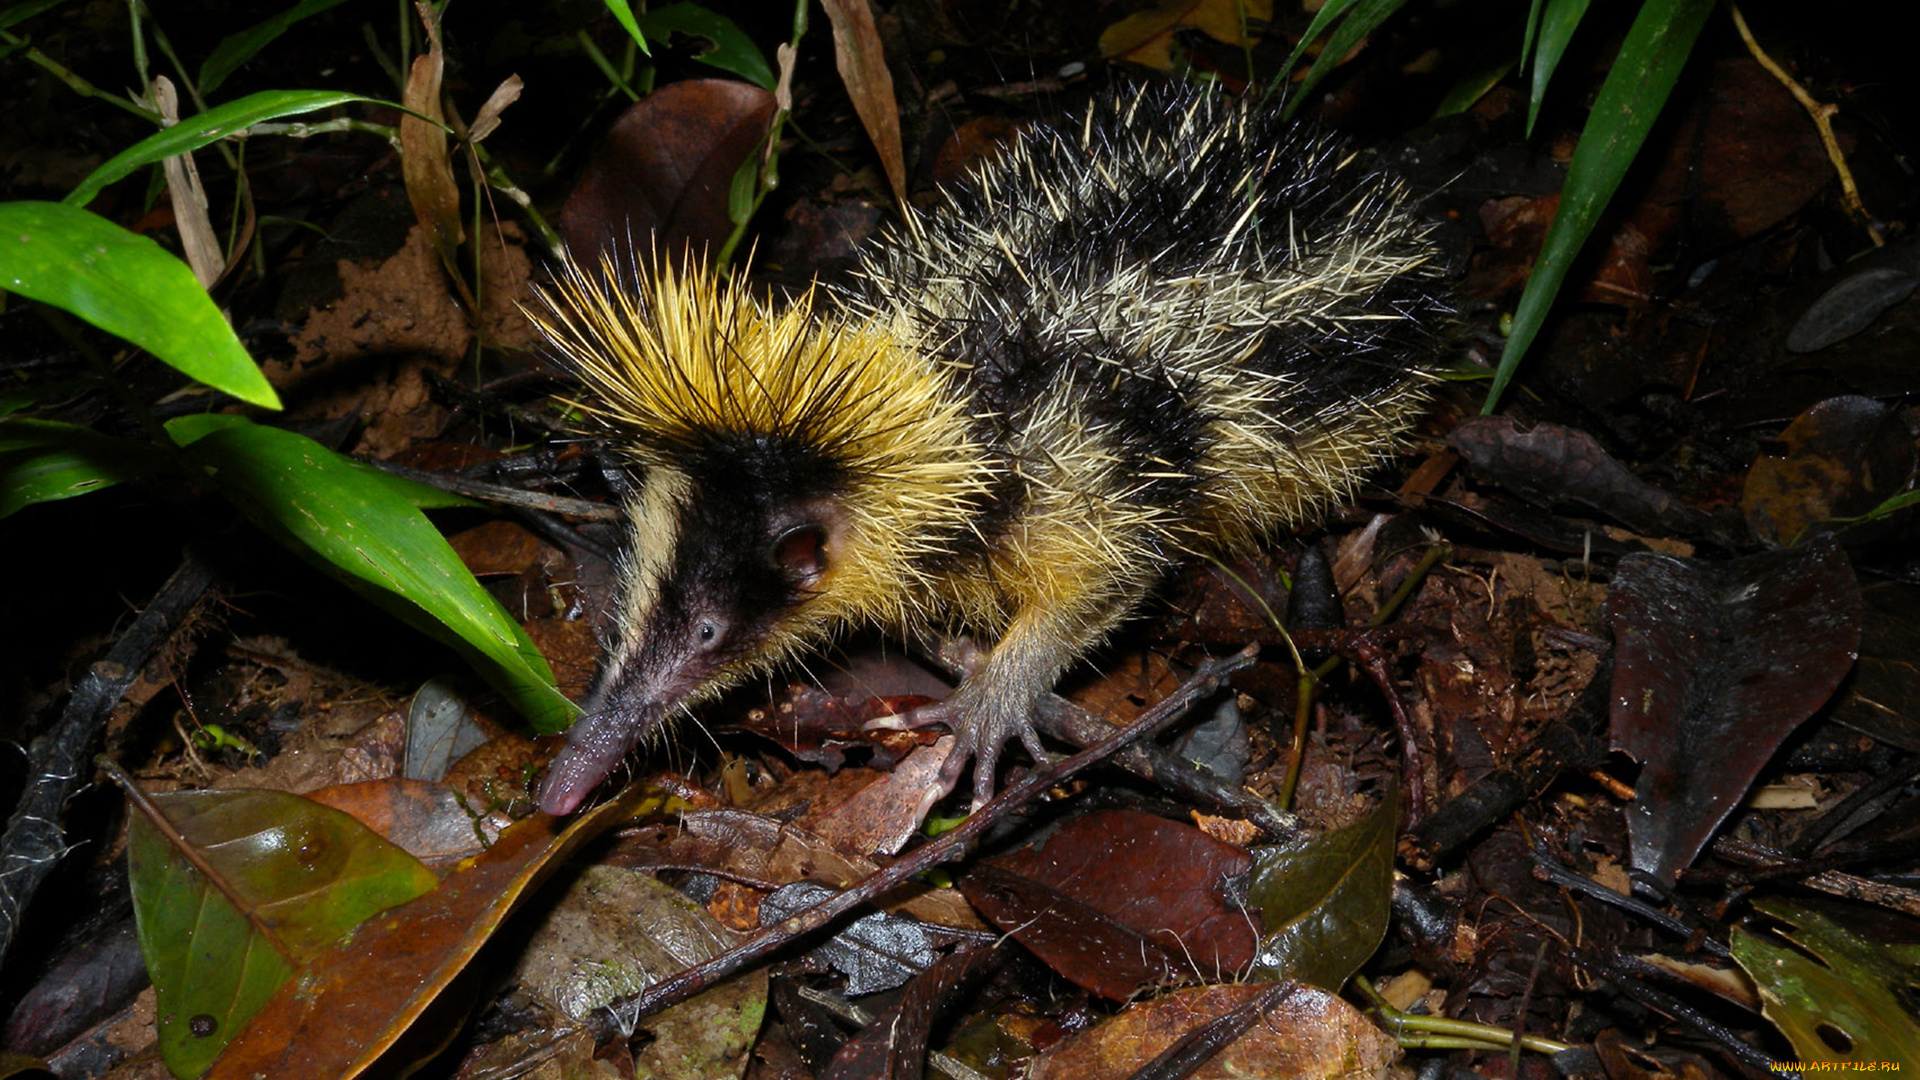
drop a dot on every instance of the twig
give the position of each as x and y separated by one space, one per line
1822 114
1070 723
952 845
500 493
35 842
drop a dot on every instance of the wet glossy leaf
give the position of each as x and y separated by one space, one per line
352 1002
1324 899
266 881
1834 994
1715 664
128 286
376 540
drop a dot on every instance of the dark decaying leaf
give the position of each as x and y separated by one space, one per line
613 932
354 1001
1118 899
266 881
1325 899
1309 1035
1715 665
1552 465
658 181
895 1044
1082 943
1883 697
875 952
1844 456
1864 292
1836 995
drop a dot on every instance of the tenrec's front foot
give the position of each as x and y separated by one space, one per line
979 736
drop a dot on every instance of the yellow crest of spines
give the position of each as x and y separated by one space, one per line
680 358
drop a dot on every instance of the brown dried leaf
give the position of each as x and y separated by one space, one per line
1844 456
863 67
425 163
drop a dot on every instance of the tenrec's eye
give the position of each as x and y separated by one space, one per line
708 632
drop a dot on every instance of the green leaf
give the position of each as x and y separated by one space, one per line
1560 19
193 428
19 13
731 50
1324 899
238 48
367 532
129 287
43 460
1643 74
1834 994
194 132
265 881
623 14
1360 19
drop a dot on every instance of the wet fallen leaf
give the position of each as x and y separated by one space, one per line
1120 898
1553 465
1324 899
878 951
1715 665
233 890
351 1003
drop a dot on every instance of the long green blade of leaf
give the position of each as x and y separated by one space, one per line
1655 49
1364 17
622 13
1560 19
364 530
194 132
128 286
43 460
237 48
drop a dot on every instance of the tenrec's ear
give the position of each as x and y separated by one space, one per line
800 554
